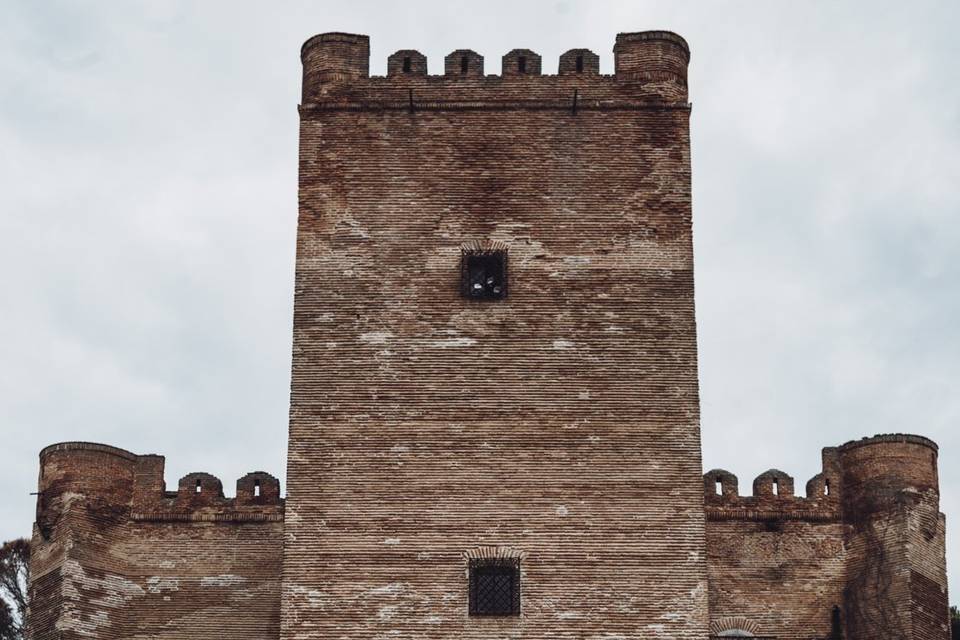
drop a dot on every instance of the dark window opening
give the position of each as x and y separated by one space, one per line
256 488
464 64
198 486
826 487
494 587
579 64
522 64
836 624
484 275
406 64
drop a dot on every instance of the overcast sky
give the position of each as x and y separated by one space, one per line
148 158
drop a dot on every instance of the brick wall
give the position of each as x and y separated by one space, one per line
776 561
866 540
116 556
559 424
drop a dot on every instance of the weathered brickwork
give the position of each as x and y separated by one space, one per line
560 422
867 540
553 426
117 556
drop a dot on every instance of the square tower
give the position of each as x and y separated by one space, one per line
494 424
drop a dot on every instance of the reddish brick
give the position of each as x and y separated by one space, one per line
557 428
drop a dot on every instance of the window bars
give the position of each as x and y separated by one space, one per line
495 587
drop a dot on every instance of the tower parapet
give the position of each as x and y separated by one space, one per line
651 66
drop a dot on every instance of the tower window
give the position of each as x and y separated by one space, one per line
495 587
406 64
522 64
464 64
579 64
483 274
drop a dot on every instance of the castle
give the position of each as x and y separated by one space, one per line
494 417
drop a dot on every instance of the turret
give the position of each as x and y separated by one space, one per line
896 576
332 61
82 473
655 60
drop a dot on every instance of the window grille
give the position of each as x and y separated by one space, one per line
494 587
483 274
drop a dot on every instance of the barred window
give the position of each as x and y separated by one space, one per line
483 274
495 587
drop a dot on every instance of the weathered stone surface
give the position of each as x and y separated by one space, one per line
117 556
557 428
561 421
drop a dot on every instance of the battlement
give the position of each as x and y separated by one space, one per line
859 477
111 543
650 66
773 497
132 486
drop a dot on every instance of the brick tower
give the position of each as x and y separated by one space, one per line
494 418
494 423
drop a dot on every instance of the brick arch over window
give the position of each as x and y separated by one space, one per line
493 553
494 581
734 627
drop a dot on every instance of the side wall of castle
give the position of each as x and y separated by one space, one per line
117 556
860 557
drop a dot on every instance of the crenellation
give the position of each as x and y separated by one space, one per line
822 486
199 489
108 477
579 62
720 484
258 488
463 64
406 64
148 479
773 484
651 68
521 63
